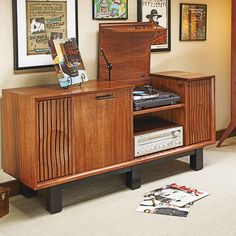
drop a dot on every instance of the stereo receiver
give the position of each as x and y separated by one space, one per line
158 140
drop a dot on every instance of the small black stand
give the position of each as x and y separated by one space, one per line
70 79
109 65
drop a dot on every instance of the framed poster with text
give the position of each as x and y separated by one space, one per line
193 21
158 12
35 22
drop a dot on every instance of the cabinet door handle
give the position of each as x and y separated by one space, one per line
110 96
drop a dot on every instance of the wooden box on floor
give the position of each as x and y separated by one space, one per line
4 201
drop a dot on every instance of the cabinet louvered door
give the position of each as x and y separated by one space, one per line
200 114
54 139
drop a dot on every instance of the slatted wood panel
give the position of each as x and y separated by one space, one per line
199 111
54 139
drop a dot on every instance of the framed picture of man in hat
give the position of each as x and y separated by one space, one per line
157 12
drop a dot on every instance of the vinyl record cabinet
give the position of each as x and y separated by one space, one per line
52 137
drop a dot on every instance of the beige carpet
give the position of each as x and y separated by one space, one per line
107 207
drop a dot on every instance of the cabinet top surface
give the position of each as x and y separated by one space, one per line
183 75
52 90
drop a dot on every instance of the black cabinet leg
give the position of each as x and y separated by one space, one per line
54 199
196 160
134 178
26 191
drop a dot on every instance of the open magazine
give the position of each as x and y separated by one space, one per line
177 195
67 61
172 199
163 207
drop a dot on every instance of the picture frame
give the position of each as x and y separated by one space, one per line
193 22
158 12
37 21
110 9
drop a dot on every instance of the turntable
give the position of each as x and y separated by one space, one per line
130 62
148 97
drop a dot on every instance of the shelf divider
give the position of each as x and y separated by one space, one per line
156 109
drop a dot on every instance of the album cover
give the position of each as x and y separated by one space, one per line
163 207
177 195
67 61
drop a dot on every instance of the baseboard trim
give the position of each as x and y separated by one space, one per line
221 132
14 187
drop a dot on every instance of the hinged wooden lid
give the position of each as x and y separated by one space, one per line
127 47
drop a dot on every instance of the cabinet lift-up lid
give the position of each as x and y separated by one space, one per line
127 46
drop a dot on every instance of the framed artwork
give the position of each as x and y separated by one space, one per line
37 21
110 9
193 22
157 12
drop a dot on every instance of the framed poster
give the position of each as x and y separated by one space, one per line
110 9
157 12
193 20
37 21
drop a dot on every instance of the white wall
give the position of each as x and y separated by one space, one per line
211 56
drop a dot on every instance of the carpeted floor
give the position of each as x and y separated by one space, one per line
106 207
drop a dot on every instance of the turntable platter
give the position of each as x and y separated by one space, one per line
147 97
145 92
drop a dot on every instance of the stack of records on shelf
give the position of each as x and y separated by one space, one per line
173 199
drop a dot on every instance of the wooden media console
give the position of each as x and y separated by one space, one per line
54 137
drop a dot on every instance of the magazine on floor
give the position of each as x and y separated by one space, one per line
162 206
177 195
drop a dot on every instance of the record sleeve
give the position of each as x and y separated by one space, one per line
177 195
67 61
153 206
